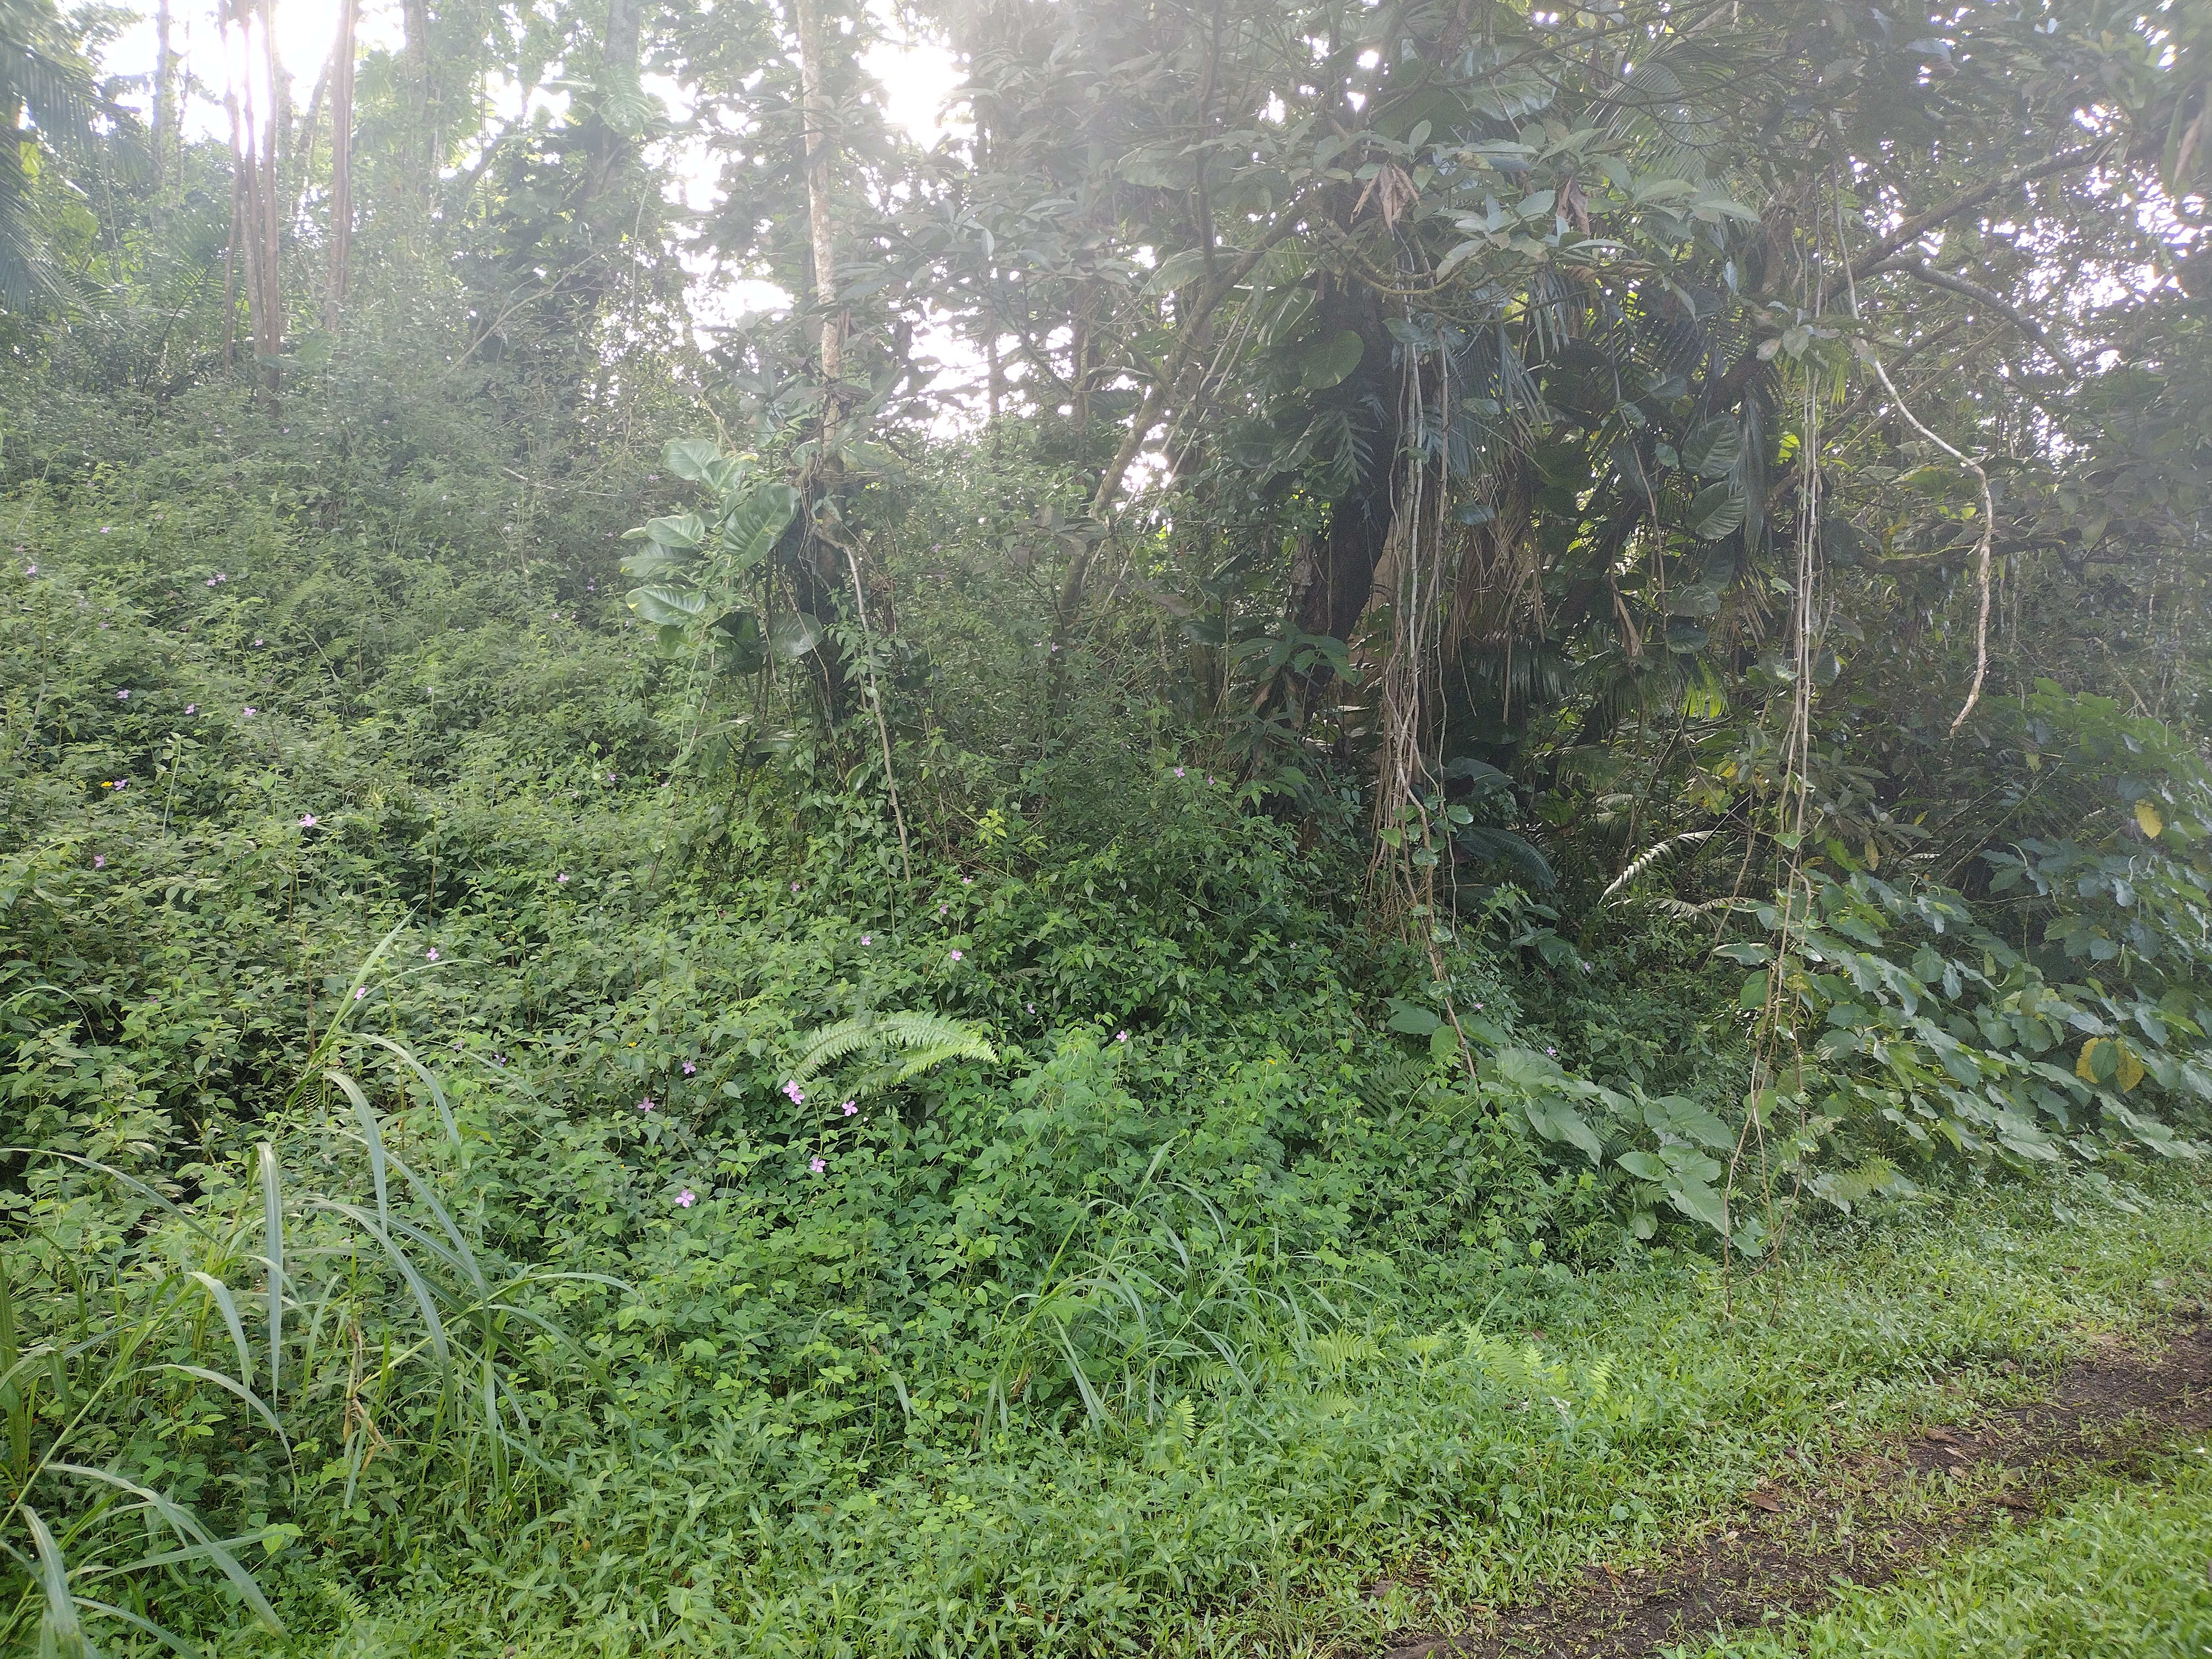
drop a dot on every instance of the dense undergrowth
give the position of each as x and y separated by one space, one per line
481 1181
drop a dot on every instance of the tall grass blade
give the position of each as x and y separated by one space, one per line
60 1633
430 1081
231 1384
221 1293
272 1215
424 1300
182 1522
168 1640
366 1116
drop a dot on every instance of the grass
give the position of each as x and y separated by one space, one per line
1471 1461
2122 1573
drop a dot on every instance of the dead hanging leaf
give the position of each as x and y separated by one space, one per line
1575 205
1392 187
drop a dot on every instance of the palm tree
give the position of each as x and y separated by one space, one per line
47 103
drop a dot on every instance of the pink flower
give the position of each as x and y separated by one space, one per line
250 714
192 708
307 820
794 887
430 955
257 642
864 939
851 1107
817 1165
686 1198
1551 1051
1178 771
942 909
30 570
956 955
359 992
644 1105
688 1068
99 860
563 877
123 696
798 1095
1033 1007
967 881
1120 1036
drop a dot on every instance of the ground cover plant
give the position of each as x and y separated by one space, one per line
1384 789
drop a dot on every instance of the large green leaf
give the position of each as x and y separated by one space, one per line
668 606
689 458
793 635
1332 362
751 531
1716 510
1713 447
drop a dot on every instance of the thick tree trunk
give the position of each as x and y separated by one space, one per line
342 65
816 112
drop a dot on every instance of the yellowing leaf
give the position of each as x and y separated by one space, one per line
2147 816
2121 1066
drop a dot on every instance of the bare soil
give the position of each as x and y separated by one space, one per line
1865 1521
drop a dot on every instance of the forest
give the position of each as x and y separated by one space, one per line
1080 827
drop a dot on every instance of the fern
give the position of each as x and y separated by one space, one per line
920 1041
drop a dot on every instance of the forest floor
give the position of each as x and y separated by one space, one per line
2121 1413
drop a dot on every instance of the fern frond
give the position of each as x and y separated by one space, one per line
1652 855
928 1039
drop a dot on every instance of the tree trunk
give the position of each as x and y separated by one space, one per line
414 16
165 104
815 111
342 56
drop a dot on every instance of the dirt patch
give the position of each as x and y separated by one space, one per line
1867 1520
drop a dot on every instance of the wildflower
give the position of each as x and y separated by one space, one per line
817 1165
1120 1036
686 1198
192 708
563 877
257 643
430 955
794 887
359 992
103 530
864 939
644 1105
688 1068
1178 771
942 909
307 820
1478 1007
30 570
967 881
251 712
798 1095
211 582
1033 1007
851 1107
956 955
123 696
99 860
1551 1051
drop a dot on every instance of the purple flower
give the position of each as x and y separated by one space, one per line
956 955
851 1107
30 570
967 881
307 820
1120 1036
798 1095
942 909
562 877
123 696
1178 771
99 860
1477 1006
1033 1007
257 642
688 1068
359 992
817 1165
794 887
103 530
192 708
644 1105
864 939
250 713
686 1198
430 955
211 582
1551 1051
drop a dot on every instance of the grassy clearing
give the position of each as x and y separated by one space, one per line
2121 1574
1469 1460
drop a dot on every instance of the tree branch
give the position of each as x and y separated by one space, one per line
1997 302
1920 224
